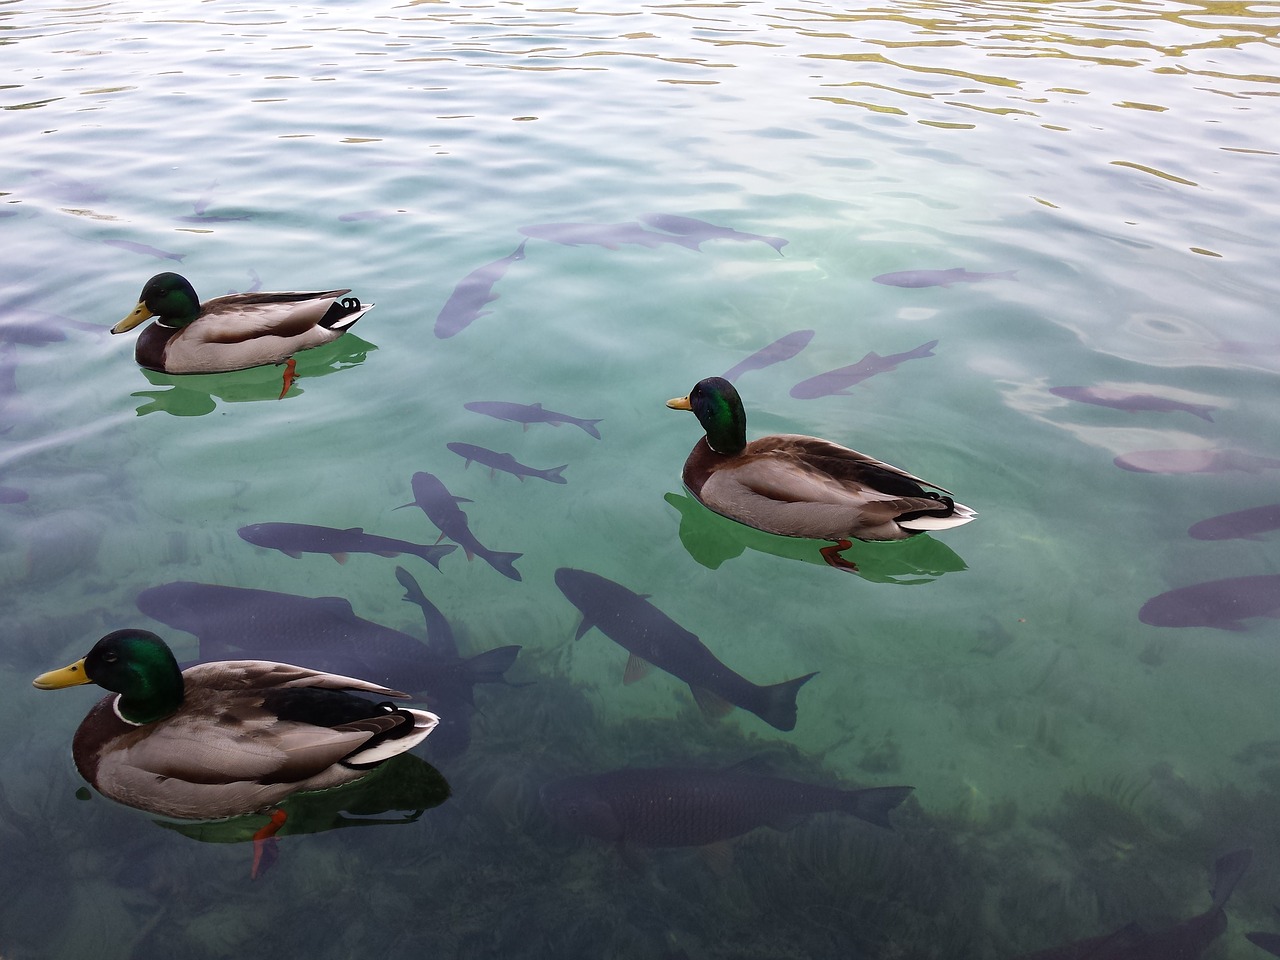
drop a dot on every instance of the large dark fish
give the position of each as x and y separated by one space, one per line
1240 525
295 539
677 807
651 637
441 508
144 248
939 278
1183 941
1223 604
841 379
608 235
784 348
528 413
701 230
1194 461
1118 399
322 632
505 462
471 294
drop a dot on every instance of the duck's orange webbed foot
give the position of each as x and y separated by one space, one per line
831 554
265 846
290 370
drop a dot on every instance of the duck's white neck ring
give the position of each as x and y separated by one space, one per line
115 708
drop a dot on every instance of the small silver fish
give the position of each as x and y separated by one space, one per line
701 230
784 348
505 462
939 278
528 413
1194 461
842 378
1119 399
134 247
472 292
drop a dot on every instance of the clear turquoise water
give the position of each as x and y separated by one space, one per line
1074 768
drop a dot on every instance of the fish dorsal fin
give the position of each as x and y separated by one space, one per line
536 406
356 530
461 499
340 556
713 706
719 857
637 669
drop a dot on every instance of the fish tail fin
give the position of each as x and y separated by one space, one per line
1227 871
590 426
1006 275
779 708
1202 410
504 563
777 243
873 805
554 474
924 350
490 666
412 591
1269 942
432 555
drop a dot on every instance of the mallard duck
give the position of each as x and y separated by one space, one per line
225 738
236 331
799 486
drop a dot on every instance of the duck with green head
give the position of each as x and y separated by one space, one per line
799 486
233 332
225 738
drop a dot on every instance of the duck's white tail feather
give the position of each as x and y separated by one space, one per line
961 515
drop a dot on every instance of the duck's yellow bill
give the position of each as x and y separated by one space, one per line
139 314
679 403
71 676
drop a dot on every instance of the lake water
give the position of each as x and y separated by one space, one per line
1114 165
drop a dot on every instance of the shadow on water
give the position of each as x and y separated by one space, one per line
194 395
711 539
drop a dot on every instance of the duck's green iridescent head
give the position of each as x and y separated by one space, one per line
716 404
169 298
136 664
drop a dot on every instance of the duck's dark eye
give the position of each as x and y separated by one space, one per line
110 657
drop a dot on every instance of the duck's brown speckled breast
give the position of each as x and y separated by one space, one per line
702 462
99 731
149 351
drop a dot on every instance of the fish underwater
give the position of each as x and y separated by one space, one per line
1239 525
143 248
1222 604
686 807
505 462
784 348
611 236
295 539
441 507
841 379
701 230
653 638
1119 399
1183 941
472 292
1194 461
235 622
440 638
939 278
32 328
528 413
